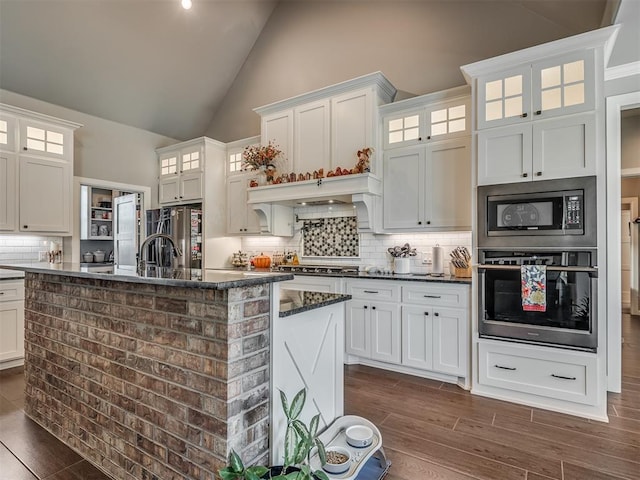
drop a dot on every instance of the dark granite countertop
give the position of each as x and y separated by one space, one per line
411 277
11 275
297 301
178 277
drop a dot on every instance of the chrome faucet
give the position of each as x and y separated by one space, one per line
142 254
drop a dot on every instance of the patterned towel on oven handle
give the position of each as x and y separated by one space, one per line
534 285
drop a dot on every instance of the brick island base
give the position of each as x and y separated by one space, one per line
149 381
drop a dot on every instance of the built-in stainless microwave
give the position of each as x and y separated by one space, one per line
549 213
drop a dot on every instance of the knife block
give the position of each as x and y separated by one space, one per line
462 272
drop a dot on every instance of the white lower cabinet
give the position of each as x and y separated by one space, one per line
11 323
373 330
314 284
548 372
435 339
419 325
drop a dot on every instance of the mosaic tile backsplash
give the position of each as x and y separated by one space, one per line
331 237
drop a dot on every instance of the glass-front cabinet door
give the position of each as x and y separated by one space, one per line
564 85
504 98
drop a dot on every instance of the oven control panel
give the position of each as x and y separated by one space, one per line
573 211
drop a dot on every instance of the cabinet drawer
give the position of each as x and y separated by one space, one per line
375 290
12 290
436 295
551 373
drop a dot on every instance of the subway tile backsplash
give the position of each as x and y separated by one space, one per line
372 247
24 248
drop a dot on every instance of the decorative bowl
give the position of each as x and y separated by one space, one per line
359 436
335 454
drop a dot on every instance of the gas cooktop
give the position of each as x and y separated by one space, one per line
317 269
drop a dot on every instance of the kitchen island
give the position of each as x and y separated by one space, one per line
154 375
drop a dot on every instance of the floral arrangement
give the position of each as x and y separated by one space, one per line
259 157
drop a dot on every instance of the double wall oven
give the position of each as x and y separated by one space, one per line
550 225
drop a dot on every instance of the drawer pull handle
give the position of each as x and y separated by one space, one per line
505 368
1 293
562 377
432 296
371 291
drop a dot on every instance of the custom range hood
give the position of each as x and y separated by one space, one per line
363 190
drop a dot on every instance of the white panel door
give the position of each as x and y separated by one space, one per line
417 337
351 127
358 329
12 328
564 147
125 230
7 192
385 332
449 340
45 187
448 184
278 129
312 137
403 200
504 155
625 256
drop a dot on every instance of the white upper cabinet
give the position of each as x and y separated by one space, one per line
539 115
241 218
557 86
428 118
35 178
312 135
428 187
277 128
182 172
352 126
326 128
8 200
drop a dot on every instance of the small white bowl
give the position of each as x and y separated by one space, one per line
359 436
338 468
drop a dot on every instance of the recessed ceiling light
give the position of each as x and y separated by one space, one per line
186 4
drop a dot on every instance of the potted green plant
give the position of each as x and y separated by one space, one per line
299 442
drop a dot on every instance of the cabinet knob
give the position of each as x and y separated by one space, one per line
436 314
524 115
525 175
426 313
538 174
419 139
538 112
175 198
428 137
373 308
428 222
25 226
365 307
24 148
181 196
419 223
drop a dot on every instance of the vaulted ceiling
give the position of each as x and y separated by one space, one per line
152 65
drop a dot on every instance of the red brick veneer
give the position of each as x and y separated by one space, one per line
146 381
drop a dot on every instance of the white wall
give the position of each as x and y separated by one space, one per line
309 45
630 140
104 149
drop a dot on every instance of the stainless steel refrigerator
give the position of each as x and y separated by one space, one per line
184 226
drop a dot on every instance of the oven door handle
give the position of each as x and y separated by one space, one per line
592 271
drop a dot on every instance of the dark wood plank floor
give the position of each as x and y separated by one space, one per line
433 430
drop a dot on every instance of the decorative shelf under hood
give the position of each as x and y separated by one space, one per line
362 190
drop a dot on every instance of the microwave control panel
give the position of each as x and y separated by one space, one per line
573 211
